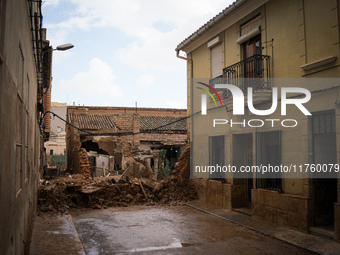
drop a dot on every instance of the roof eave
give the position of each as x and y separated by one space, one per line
211 23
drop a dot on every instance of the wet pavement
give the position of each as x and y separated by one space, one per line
317 244
170 230
55 235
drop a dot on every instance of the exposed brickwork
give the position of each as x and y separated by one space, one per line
47 107
127 122
124 121
281 209
165 138
84 166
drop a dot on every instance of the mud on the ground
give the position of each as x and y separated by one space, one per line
75 192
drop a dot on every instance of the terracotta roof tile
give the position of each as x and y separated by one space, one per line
92 122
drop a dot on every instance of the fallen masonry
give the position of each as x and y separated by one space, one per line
75 192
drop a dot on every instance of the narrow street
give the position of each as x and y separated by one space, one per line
169 127
156 230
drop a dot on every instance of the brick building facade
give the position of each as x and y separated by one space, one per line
113 131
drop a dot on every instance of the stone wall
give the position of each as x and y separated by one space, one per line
224 195
213 192
281 209
20 138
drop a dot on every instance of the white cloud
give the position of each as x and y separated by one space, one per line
98 80
176 104
152 48
50 2
145 81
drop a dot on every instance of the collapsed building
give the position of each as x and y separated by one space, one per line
115 139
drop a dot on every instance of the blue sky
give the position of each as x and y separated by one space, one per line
124 50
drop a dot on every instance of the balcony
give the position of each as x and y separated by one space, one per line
251 72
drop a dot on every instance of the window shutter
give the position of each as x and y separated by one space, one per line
216 60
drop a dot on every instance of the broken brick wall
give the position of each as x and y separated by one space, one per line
73 144
106 143
165 138
118 145
84 166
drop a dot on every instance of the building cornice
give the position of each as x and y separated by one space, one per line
229 16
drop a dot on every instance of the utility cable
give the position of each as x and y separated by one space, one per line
140 132
178 120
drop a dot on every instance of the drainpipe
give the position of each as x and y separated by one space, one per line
187 59
191 76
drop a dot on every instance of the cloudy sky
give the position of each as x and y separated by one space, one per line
124 50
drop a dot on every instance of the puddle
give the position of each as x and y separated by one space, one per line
53 232
175 244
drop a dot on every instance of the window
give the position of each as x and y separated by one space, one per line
216 60
26 157
27 92
324 152
19 144
253 66
324 123
216 154
324 141
20 72
268 152
51 152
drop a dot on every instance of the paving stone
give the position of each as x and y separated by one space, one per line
55 234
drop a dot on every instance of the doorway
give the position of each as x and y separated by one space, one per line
324 151
216 156
251 48
243 156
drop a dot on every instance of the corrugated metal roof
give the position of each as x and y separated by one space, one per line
161 123
92 122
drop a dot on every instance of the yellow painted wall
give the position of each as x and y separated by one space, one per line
201 63
294 33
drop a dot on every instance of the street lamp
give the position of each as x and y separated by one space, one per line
61 47
65 46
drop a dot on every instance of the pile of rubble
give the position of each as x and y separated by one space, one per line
182 167
78 192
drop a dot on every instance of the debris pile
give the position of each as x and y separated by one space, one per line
182 167
78 192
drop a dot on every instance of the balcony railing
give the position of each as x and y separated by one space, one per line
251 72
